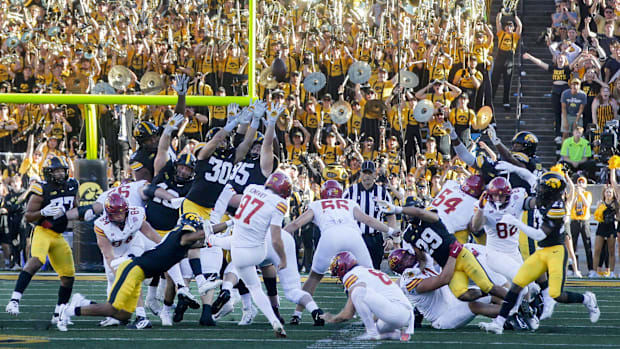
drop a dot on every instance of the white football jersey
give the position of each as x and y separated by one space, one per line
500 236
258 209
455 207
123 241
334 213
130 191
430 304
377 281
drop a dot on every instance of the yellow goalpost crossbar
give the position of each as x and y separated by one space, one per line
90 100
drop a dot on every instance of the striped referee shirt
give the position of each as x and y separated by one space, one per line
366 199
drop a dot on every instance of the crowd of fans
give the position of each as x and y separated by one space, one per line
71 47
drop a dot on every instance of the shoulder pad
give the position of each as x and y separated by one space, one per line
37 187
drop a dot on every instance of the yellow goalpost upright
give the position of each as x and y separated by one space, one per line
91 100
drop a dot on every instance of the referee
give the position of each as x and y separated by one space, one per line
366 192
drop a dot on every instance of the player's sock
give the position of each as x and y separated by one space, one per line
16 296
271 286
509 301
246 300
571 297
151 292
22 282
263 303
312 306
194 263
357 297
64 293
297 313
140 312
206 318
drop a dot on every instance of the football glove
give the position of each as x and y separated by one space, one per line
388 207
173 124
180 84
53 211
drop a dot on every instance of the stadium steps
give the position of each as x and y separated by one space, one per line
536 112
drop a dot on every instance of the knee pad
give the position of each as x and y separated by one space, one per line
295 295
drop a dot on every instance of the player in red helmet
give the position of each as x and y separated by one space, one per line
474 186
401 259
382 306
116 208
280 183
331 189
498 192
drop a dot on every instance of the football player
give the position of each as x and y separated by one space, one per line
430 294
118 238
46 208
455 205
189 233
261 211
337 220
427 233
214 163
551 258
372 295
141 162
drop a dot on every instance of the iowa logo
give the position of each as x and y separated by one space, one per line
192 217
530 138
89 192
553 183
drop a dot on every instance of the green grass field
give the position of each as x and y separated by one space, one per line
569 327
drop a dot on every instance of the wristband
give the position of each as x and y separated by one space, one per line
229 223
455 249
390 232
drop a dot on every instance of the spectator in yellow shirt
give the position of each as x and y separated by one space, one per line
580 221
330 151
296 142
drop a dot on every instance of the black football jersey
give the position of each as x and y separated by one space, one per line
56 195
159 213
432 238
246 172
143 159
551 219
211 176
488 170
166 254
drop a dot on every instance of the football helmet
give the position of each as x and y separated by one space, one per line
190 221
499 190
550 188
144 131
473 186
198 147
401 259
280 183
525 142
49 170
116 208
415 202
187 160
342 263
331 189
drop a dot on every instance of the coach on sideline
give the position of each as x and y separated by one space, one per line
365 193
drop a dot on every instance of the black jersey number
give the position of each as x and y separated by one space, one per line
428 241
241 173
220 171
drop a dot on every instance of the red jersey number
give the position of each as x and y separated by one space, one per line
334 204
504 230
255 205
384 278
449 203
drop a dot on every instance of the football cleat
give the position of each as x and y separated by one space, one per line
295 320
206 318
394 335
248 316
77 300
405 337
208 285
548 305
184 293
592 306
140 323
64 318
166 317
316 316
179 310
516 322
109 321
153 305
221 300
12 307
278 329
492 326
225 310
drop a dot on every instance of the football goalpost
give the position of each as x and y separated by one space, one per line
90 101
